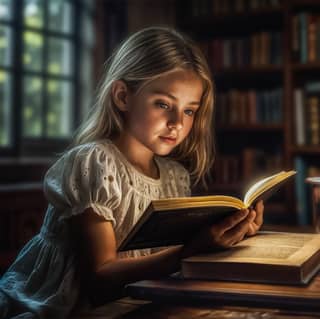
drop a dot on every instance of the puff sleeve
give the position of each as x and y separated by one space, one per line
84 177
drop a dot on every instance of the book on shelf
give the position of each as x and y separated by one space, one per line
172 221
307 114
267 257
306 37
303 198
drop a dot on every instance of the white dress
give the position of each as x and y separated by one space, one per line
42 282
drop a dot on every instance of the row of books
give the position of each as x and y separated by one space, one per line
207 8
303 195
250 164
306 37
249 107
262 48
307 114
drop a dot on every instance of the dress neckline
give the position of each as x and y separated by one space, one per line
134 169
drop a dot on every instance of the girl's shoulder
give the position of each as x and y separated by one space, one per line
102 147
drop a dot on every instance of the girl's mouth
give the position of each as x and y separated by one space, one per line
168 139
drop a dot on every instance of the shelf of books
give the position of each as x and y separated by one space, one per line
305 117
265 60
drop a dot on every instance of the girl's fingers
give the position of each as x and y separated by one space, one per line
237 233
258 220
230 222
259 208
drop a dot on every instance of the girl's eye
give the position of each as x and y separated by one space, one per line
189 112
163 105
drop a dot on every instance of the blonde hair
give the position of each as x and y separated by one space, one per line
143 57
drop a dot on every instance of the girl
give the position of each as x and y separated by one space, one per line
153 110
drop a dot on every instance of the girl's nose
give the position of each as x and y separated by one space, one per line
175 121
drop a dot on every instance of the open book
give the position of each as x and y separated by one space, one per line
172 221
268 257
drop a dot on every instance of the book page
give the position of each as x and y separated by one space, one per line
197 201
264 185
266 252
267 247
270 245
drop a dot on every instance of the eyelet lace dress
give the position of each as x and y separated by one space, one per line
42 282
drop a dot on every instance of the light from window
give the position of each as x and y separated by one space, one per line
33 13
60 53
60 16
33 51
59 108
5 89
5 46
5 9
32 106
40 50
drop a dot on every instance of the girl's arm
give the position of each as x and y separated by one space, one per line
105 275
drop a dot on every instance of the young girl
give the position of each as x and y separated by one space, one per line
154 110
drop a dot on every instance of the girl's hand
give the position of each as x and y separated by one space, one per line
225 234
257 218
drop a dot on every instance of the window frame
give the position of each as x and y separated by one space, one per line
42 146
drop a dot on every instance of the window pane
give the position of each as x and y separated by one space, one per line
32 101
86 81
88 36
5 107
89 4
60 16
60 53
5 45
6 9
33 51
33 13
59 108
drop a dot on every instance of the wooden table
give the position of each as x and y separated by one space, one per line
183 299
137 309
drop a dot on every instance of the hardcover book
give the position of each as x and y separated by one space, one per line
268 257
172 221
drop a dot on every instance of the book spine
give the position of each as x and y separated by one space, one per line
303 19
299 117
303 217
295 38
312 29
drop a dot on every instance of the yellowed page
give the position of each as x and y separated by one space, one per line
268 248
265 184
198 201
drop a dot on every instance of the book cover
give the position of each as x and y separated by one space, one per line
172 221
268 257
303 217
304 297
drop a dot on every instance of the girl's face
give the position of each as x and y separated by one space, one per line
160 116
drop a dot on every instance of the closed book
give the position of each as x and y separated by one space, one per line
268 257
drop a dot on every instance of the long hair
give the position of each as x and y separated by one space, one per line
143 57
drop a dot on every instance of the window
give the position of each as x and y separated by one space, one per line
45 67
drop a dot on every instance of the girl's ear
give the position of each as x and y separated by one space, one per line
120 93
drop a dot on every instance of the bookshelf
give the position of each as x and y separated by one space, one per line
256 47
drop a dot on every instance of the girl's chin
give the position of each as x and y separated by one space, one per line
164 151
